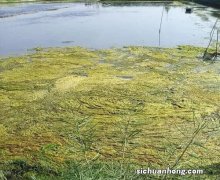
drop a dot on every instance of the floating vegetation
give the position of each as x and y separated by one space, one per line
141 106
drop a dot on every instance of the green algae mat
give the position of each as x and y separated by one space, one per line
74 113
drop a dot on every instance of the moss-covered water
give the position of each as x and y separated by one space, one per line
135 105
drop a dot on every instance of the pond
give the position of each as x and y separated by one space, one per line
24 26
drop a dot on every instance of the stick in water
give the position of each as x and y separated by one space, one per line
161 20
211 37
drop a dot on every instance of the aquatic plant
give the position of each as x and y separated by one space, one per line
104 113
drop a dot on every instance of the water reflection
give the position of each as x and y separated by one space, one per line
102 25
137 4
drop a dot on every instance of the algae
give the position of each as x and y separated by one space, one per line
140 105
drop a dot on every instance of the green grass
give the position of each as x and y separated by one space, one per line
101 114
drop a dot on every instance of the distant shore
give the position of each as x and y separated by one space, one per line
213 3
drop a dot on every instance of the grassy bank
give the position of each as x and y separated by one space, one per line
26 1
80 113
17 1
214 3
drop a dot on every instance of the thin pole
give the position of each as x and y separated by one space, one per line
216 50
211 37
161 20
217 44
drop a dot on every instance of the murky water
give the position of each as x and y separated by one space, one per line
30 25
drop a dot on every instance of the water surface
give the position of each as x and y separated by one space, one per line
28 25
